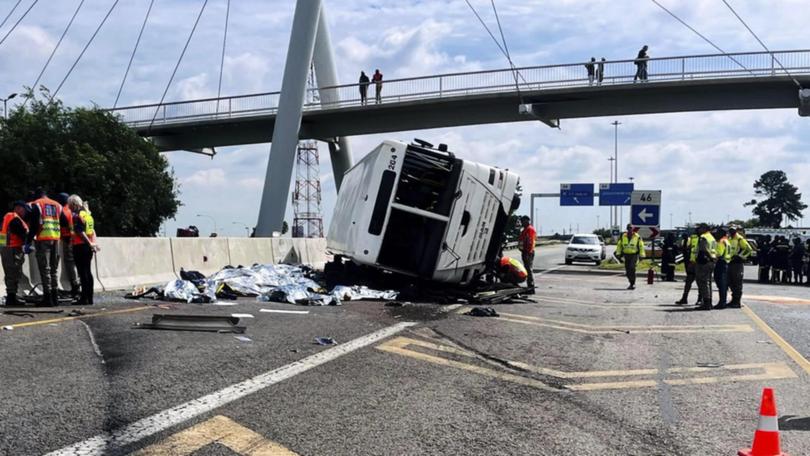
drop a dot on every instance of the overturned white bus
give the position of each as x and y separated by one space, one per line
420 211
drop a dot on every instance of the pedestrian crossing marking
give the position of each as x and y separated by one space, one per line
217 430
735 372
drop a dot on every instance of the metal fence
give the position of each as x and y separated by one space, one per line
617 72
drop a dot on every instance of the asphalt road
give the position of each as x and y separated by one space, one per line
588 369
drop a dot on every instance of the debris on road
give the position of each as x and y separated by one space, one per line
242 315
296 312
482 312
360 292
30 312
209 323
243 338
8 328
325 341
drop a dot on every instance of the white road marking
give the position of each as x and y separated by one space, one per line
242 315
295 312
134 432
548 271
96 348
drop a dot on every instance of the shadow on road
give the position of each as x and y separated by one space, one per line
794 423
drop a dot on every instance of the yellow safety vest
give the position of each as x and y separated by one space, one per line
630 246
724 249
712 245
694 240
739 246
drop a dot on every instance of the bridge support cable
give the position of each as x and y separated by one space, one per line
86 46
224 43
288 118
508 55
55 48
13 8
134 50
773 56
2 40
177 65
703 37
491 35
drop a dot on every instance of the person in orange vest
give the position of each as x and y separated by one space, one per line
12 239
65 246
526 244
84 245
511 270
45 234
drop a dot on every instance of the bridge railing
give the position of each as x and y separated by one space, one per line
526 79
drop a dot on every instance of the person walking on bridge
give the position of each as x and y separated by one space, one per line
377 79
12 239
641 65
363 84
526 243
629 249
590 67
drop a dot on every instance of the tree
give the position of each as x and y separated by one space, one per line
87 151
779 199
604 232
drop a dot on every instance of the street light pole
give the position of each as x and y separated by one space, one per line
611 208
5 104
212 219
616 124
247 228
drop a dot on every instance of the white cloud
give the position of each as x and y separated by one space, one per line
208 178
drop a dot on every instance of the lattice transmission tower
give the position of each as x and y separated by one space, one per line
306 198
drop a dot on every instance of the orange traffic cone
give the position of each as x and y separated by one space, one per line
766 438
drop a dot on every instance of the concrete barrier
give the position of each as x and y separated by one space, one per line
207 255
127 262
247 251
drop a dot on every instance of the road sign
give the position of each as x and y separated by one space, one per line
576 194
645 212
615 194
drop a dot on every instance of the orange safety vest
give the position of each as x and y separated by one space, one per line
67 232
514 267
7 238
49 211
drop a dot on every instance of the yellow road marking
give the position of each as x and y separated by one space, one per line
782 343
770 371
569 302
78 317
221 430
778 299
643 329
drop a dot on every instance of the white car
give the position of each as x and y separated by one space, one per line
585 247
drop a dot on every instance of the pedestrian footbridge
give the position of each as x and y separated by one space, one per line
751 80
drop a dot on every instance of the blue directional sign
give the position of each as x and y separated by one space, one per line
646 215
615 194
576 194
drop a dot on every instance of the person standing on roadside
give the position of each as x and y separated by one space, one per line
84 245
668 258
797 261
629 249
706 258
690 246
45 234
363 84
13 233
377 79
721 267
526 244
739 250
65 247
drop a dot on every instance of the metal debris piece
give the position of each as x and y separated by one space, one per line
482 312
31 312
243 338
325 341
296 312
181 322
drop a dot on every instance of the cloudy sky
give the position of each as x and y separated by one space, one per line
705 163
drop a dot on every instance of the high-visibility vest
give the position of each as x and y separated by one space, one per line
724 249
49 211
7 238
694 240
739 246
67 231
630 246
711 244
86 219
514 267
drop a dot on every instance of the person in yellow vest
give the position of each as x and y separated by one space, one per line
12 239
629 249
706 259
721 267
690 246
65 246
739 251
84 245
512 270
45 233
